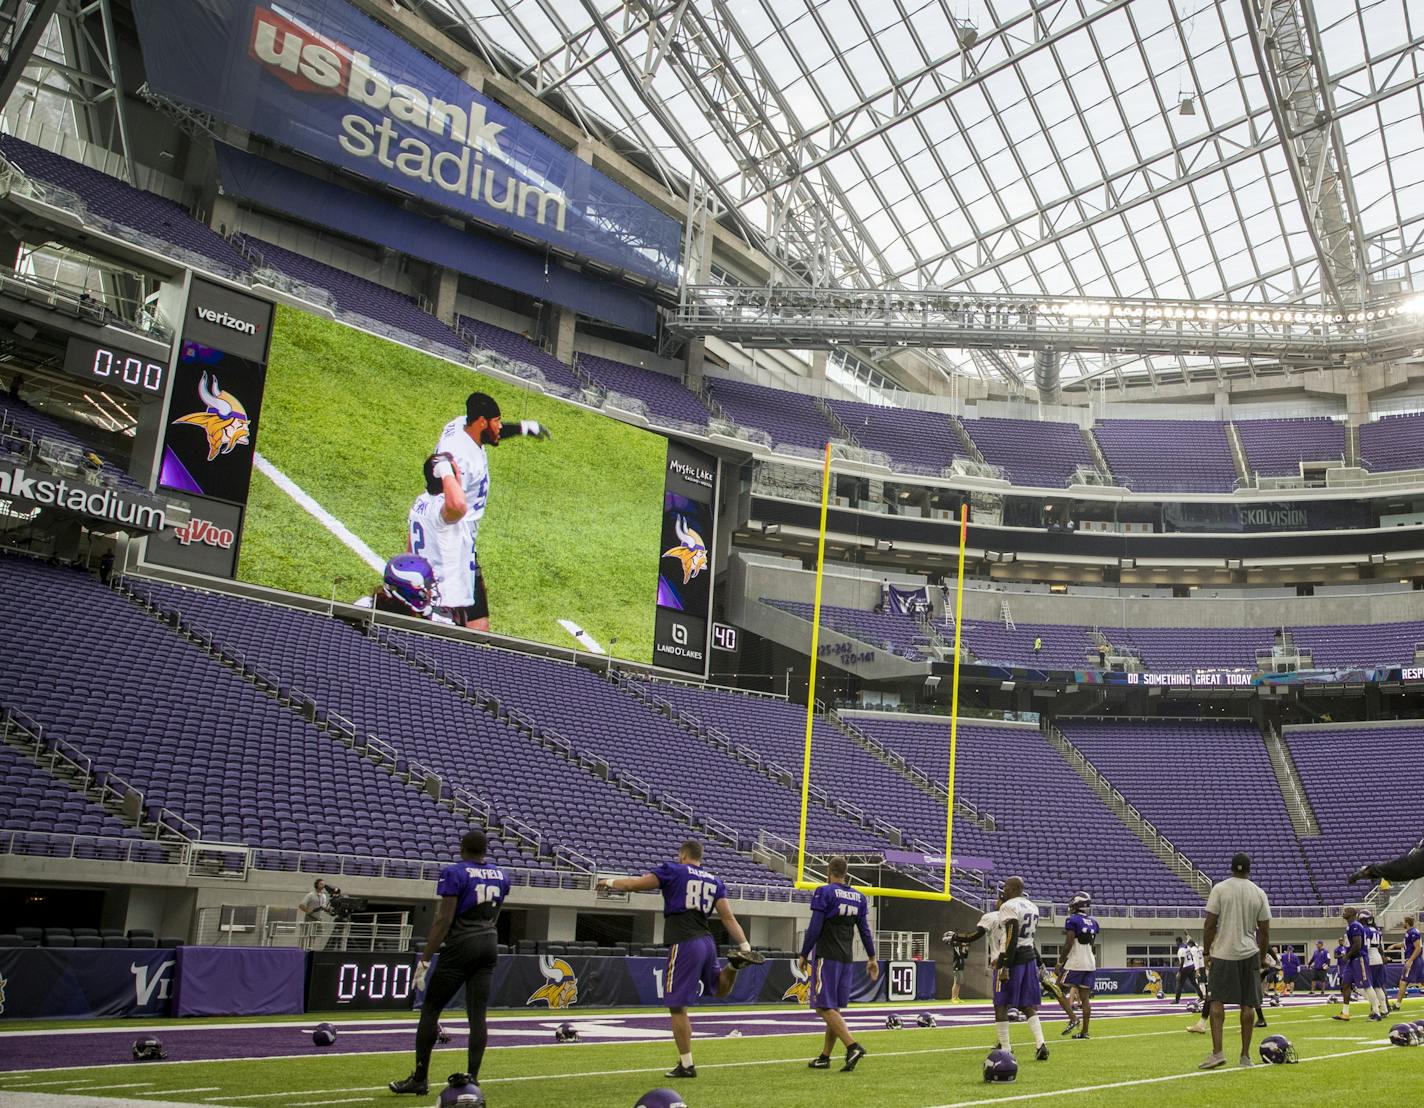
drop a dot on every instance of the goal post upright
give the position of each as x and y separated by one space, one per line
903 894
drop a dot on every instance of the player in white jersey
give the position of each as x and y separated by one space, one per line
465 441
438 531
1013 961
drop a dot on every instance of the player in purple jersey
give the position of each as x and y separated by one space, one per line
691 896
1077 960
1354 973
1374 966
837 912
471 893
1290 967
1413 952
1319 968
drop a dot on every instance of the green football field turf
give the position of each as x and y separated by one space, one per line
572 527
1129 1061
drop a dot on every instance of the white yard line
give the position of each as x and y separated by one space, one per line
304 500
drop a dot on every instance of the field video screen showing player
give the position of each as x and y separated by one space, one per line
562 518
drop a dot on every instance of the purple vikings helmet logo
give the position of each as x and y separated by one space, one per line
661 1098
560 989
799 990
224 420
691 551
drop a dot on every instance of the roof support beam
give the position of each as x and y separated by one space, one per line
1287 47
19 41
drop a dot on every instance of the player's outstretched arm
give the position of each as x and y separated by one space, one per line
949 938
528 428
644 883
1404 868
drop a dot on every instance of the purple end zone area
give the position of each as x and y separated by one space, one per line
210 1041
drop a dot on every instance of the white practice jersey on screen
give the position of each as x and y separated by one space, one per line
1198 958
474 470
1374 945
448 547
1025 911
1184 956
993 926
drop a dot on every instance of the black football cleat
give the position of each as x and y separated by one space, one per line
680 1070
1081 1035
1262 1023
854 1053
820 1062
418 1086
1072 1026
740 959
1041 1055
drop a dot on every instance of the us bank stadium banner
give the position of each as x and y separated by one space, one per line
46 983
685 569
321 77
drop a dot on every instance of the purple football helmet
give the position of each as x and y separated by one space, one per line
661 1098
410 579
1277 1050
324 1035
461 1092
1001 1066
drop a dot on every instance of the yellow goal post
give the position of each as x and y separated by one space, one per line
874 890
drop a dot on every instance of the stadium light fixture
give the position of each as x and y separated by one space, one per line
1188 106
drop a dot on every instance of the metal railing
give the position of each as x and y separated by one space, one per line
93 848
902 946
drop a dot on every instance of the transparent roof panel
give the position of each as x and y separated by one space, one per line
1048 147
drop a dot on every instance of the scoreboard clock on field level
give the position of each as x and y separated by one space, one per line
360 981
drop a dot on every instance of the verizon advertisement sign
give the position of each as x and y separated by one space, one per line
228 320
206 543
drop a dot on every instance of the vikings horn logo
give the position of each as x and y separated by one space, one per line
3 983
561 987
799 991
691 551
225 420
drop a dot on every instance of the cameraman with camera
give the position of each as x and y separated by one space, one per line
317 914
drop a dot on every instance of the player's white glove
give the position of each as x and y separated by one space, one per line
533 429
422 971
948 937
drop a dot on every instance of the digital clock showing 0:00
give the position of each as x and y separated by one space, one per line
110 365
361 980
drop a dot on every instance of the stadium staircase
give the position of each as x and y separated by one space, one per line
385 755
1238 453
841 431
1302 816
1153 839
74 769
970 446
1099 458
